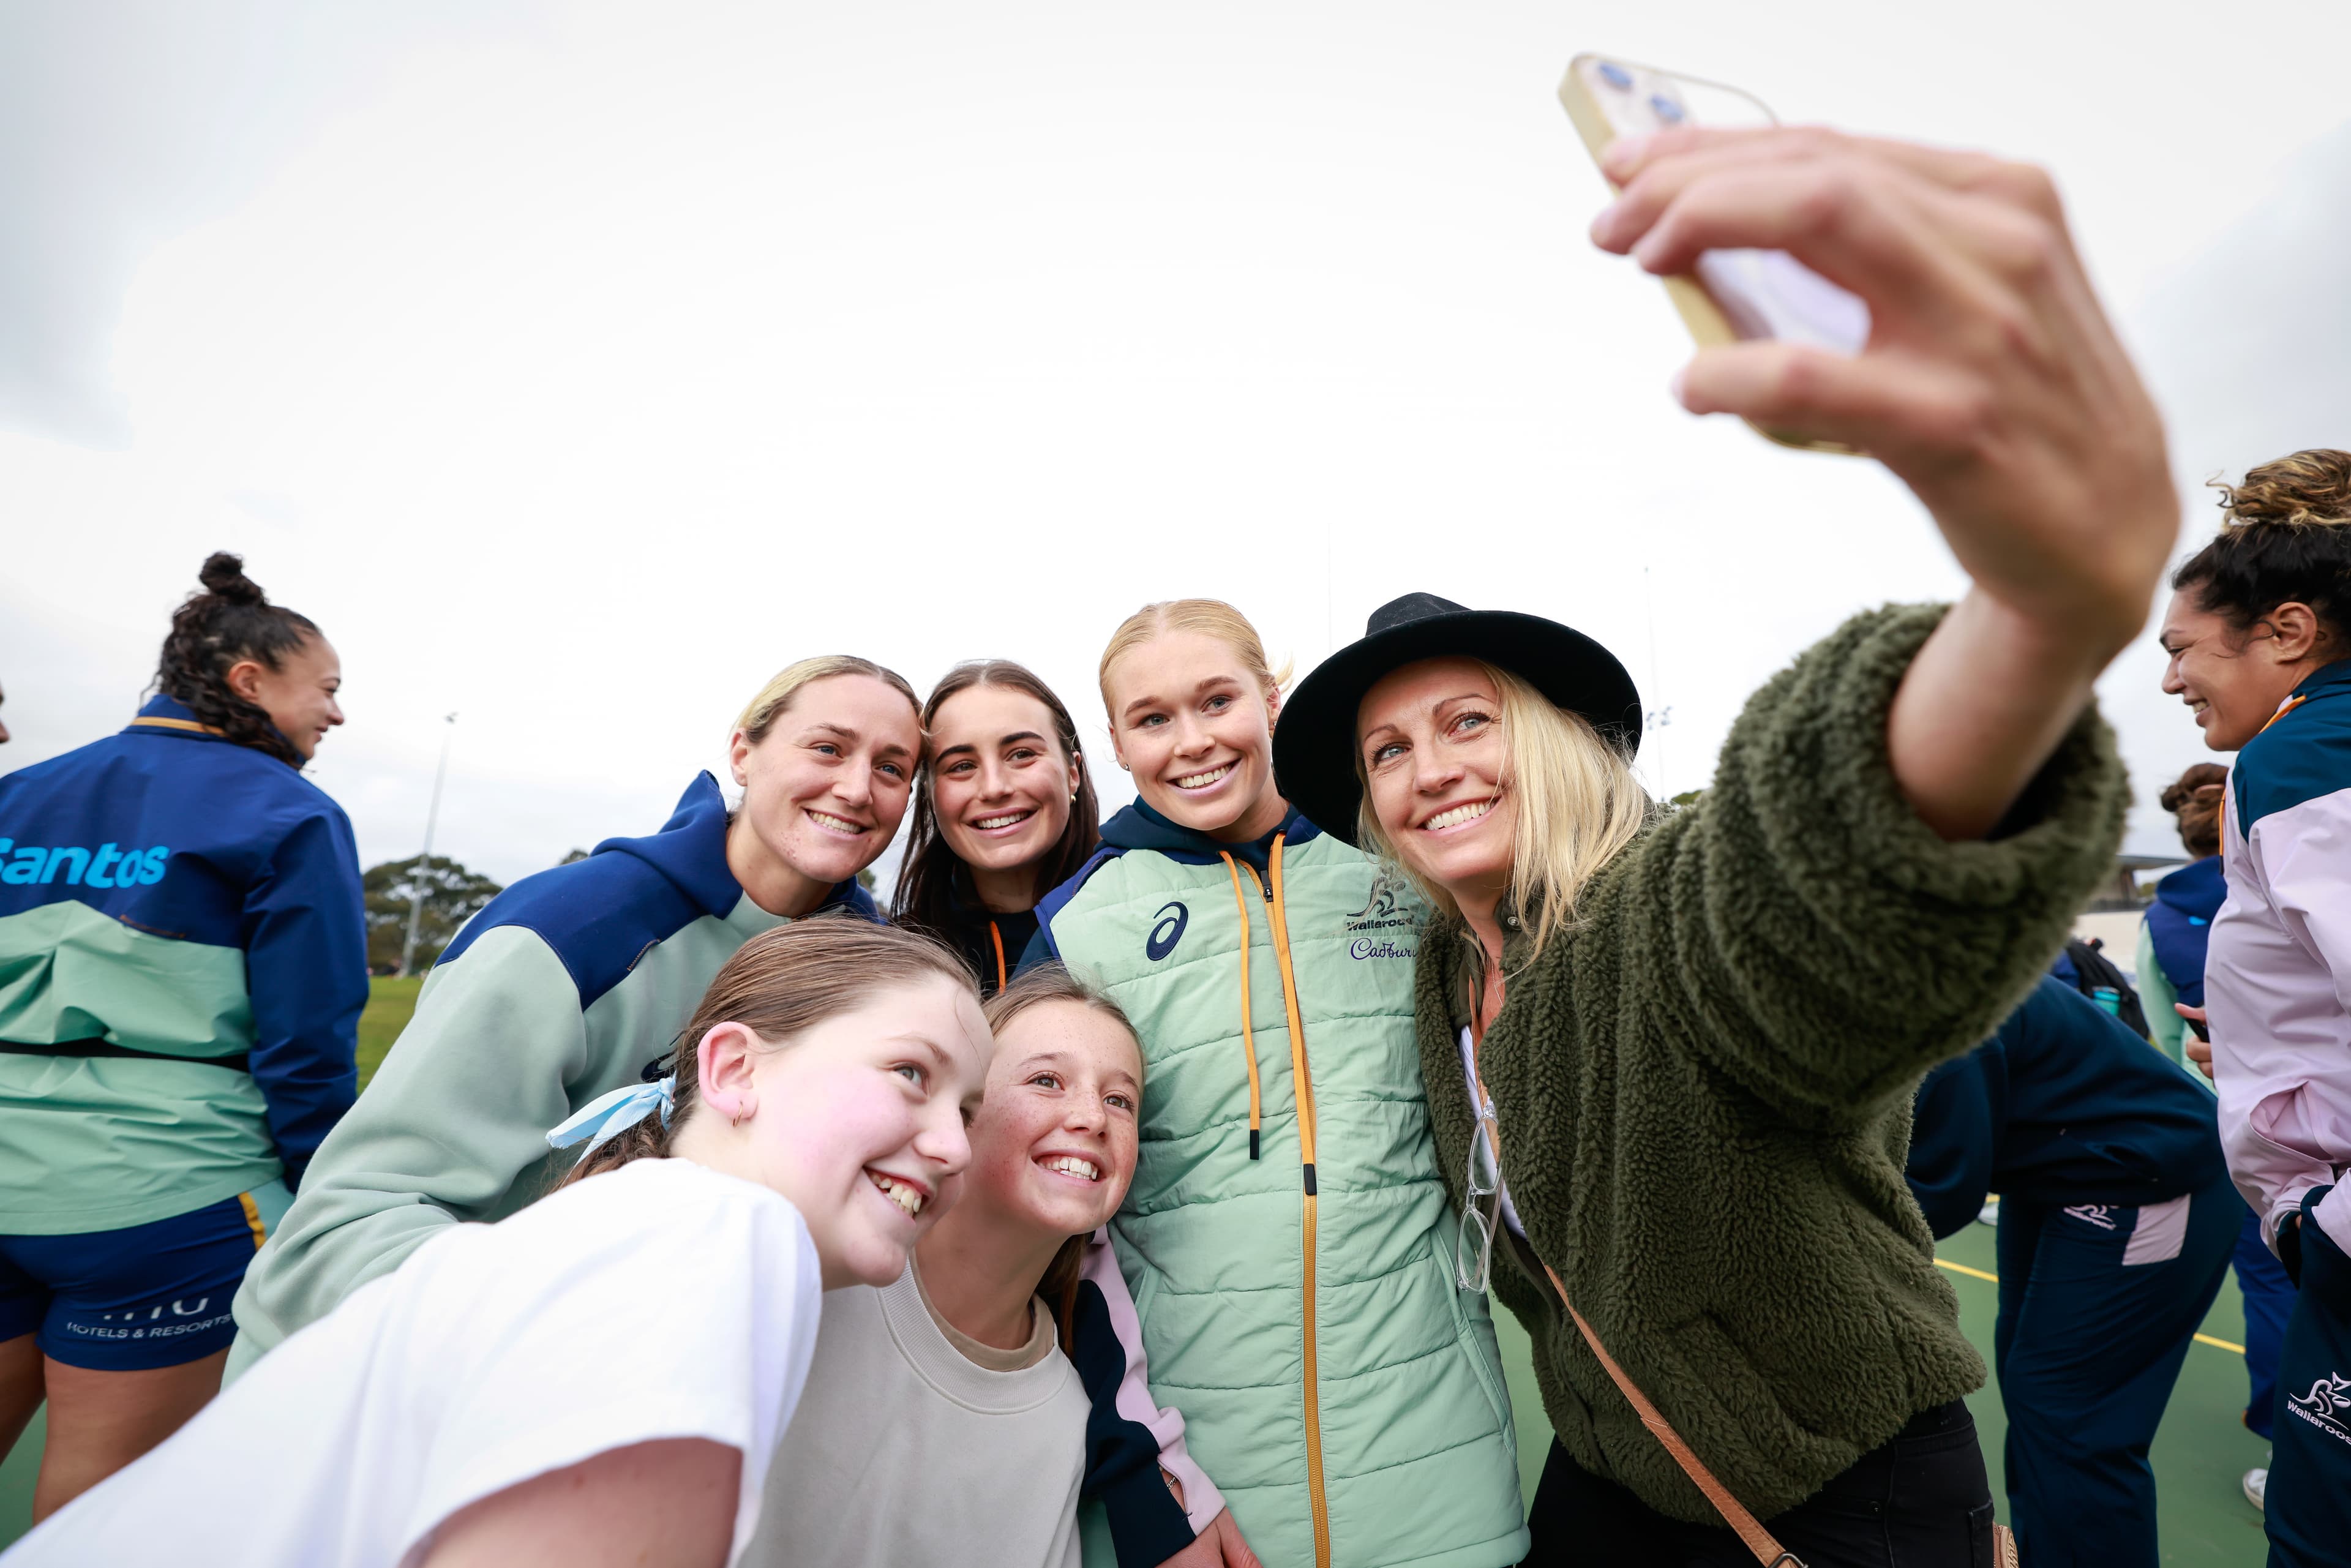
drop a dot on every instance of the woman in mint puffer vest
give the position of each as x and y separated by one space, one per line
1691 1041
1287 1241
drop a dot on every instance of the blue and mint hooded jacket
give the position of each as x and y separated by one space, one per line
1287 1245
560 989
2063 1105
190 908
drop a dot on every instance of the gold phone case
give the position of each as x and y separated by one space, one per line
1707 323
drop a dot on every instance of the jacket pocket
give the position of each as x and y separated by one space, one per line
1473 1327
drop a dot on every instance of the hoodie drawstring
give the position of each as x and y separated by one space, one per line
1249 1033
997 938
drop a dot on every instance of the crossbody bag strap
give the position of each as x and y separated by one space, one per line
1749 1528
1745 1525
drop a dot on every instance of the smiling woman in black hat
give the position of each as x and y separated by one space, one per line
1694 1036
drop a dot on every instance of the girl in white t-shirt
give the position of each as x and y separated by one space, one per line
603 1377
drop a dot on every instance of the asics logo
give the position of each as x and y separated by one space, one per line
1172 918
2101 1215
106 866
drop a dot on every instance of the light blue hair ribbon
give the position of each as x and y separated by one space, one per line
607 1114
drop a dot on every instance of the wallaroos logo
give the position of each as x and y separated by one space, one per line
1172 918
107 867
2326 1407
1383 911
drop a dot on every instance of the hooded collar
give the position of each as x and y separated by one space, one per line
1138 827
690 851
2196 889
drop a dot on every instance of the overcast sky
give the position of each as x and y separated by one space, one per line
577 367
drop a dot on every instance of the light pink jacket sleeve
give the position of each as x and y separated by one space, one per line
2277 984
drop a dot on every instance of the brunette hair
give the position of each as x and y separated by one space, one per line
774 700
1210 618
926 875
2195 799
1032 988
2283 538
778 985
229 621
1578 805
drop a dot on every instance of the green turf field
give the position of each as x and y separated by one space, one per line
2199 1453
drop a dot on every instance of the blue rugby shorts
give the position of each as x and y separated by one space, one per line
143 1297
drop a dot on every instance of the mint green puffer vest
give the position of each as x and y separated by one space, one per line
1344 1393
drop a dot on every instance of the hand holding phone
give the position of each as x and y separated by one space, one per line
1736 293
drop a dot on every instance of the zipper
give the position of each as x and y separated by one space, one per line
1302 1086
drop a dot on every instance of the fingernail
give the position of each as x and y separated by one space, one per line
1624 153
1675 385
1604 223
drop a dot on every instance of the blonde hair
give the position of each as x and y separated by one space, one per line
1210 618
1577 801
1049 982
778 985
759 715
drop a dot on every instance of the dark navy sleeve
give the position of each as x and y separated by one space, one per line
1954 1142
1123 1456
306 970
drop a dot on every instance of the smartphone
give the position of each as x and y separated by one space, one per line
1734 294
2203 1030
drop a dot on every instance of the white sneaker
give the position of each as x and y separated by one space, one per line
2257 1485
1989 1213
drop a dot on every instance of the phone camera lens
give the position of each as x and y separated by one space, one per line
1616 76
1667 109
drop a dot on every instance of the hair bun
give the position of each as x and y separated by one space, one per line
223 574
2308 488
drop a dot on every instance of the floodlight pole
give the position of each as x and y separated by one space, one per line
425 862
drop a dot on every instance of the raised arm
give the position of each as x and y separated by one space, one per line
1991 385
459 1110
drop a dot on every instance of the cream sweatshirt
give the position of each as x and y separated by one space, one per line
904 1452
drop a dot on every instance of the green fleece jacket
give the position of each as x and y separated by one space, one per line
1704 1091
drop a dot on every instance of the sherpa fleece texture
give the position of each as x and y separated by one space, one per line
1704 1092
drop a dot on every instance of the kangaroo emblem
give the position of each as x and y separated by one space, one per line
1382 904
2327 1405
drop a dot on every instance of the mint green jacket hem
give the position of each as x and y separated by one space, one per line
179 1198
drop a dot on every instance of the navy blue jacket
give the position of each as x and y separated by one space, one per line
186 841
2062 1104
2179 925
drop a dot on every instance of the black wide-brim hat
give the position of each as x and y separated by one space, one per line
1314 742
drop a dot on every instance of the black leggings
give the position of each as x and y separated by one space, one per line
1919 1502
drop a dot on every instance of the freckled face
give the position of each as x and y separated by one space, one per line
1197 732
860 1124
1001 785
1432 746
1054 1142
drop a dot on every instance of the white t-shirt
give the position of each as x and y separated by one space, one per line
662 1300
